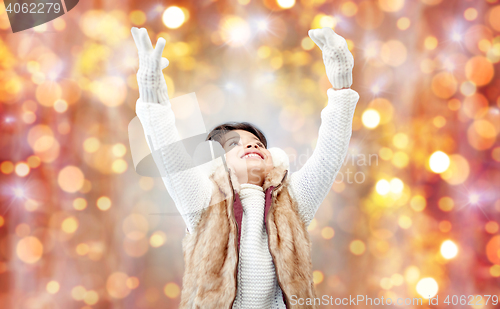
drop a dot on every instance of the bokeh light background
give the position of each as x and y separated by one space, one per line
79 228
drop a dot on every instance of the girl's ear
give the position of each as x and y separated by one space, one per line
280 158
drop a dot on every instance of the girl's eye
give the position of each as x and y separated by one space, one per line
231 143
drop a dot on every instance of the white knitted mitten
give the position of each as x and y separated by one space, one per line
336 56
152 85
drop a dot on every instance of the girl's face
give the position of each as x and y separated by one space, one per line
246 154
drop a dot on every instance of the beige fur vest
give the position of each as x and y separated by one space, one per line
211 250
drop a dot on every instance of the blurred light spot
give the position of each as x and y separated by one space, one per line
468 88
116 285
262 25
391 5
60 106
78 292
439 121
396 185
119 150
439 162
446 203
458 171
312 225
70 179
457 37
82 249
31 205
400 140
91 297
7 167
171 290
79 203
103 203
48 92
158 239
69 225
18 192
327 21
405 222
22 169
349 8
234 30
137 17
306 43
264 51
479 70
444 85
286 4
327 232
34 161
494 17
430 42
495 271
473 198
357 247
135 226
493 249
29 117
59 24
132 282
470 14
397 279
444 226
29 250
403 23
91 144
370 118
427 287
173 17
119 166
481 134
412 273
111 90
52 287
386 283
418 203
385 153
317 277
449 249
427 66
491 227
393 53
400 159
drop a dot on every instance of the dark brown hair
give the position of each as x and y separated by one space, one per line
217 133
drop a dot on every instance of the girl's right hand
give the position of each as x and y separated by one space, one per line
152 85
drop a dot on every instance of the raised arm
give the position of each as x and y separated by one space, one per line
313 181
188 186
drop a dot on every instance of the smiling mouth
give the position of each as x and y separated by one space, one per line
252 156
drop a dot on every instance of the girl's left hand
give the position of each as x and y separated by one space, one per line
337 58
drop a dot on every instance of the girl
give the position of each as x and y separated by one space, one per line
247 244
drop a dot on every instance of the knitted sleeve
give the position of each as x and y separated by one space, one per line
188 186
311 184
